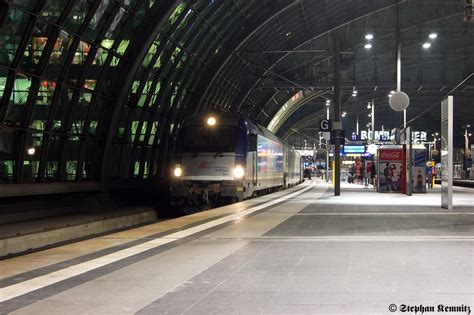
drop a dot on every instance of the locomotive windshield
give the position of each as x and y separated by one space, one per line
205 139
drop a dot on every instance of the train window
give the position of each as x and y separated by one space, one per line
205 139
253 142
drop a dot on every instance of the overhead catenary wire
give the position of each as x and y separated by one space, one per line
437 104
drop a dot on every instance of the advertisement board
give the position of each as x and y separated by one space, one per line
391 169
419 170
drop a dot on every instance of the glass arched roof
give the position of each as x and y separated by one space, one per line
95 90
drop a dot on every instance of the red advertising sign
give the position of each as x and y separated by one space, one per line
395 155
391 170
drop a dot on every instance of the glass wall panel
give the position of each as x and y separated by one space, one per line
27 4
58 55
90 159
54 154
32 156
18 98
71 170
52 9
3 80
64 105
11 34
77 15
81 53
7 154
100 17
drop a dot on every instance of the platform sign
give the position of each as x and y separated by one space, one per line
325 125
447 153
355 137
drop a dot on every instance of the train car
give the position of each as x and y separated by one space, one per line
293 167
223 157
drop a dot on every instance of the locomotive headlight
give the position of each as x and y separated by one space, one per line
211 121
177 171
238 172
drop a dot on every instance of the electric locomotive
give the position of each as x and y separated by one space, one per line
224 157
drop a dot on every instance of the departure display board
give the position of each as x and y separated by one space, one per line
354 149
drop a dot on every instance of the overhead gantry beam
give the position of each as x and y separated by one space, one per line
351 20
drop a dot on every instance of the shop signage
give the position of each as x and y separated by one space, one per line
417 136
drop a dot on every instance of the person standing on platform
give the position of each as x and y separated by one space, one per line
362 173
372 173
388 174
429 177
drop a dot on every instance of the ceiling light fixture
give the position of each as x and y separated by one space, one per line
426 45
368 46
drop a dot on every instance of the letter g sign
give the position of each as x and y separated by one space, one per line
325 125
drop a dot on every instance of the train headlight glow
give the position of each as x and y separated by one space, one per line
238 172
177 171
211 121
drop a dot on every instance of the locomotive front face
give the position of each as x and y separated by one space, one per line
209 167
210 159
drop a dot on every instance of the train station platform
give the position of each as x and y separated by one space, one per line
298 251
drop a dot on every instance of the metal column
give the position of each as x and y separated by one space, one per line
400 116
337 117
327 149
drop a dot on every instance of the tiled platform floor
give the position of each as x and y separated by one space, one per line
310 254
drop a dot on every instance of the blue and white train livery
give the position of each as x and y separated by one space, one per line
224 156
